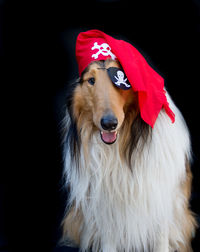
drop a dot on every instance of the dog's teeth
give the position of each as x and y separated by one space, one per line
109 131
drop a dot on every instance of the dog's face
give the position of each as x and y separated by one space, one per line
99 105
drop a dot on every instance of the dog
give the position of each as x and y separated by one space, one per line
129 184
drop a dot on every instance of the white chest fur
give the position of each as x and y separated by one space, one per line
130 210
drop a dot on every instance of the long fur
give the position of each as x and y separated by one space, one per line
132 195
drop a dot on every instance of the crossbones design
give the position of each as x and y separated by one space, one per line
120 79
104 49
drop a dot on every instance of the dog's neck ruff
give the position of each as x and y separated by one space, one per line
123 208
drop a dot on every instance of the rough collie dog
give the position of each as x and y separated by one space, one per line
129 184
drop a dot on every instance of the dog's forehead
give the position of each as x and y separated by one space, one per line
112 63
98 65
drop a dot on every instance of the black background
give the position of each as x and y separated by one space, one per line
38 60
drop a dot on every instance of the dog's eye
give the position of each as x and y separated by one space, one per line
91 81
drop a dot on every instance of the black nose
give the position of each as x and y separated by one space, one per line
109 122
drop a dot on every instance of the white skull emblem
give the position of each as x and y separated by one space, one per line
120 75
104 49
120 79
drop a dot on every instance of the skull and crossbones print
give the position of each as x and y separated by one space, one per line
103 49
120 79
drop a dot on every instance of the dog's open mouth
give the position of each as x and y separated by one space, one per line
108 137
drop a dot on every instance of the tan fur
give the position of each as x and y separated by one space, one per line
90 103
73 221
72 225
188 223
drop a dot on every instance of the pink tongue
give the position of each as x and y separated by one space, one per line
109 137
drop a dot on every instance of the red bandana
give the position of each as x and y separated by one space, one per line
96 45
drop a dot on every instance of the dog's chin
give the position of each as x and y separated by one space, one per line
108 137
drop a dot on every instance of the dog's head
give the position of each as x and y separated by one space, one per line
100 105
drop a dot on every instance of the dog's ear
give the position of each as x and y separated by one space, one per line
70 136
69 90
78 102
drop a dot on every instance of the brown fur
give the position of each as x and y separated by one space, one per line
74 219
90 103
189 223
100 98
72 226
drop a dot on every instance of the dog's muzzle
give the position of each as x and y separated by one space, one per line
109 124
